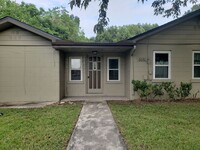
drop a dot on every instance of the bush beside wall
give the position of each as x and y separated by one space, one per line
148 90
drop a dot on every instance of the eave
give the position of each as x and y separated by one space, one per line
88 46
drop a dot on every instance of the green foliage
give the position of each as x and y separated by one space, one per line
143 88
185 89
177 92
56 21
194 8
103 7
171 89
166 8
118 33
147 90
157 90
175 9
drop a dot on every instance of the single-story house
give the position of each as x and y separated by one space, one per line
36 66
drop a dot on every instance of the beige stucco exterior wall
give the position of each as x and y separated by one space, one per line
29 67
181 40
109 88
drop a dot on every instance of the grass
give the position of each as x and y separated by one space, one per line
39 128
159 126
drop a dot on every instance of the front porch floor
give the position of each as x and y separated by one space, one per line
94 98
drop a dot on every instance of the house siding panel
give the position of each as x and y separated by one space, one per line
18 36
184 33
29 71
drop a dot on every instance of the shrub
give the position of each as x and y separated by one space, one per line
170 89
177 92
157 90
185 89
142 87
145 89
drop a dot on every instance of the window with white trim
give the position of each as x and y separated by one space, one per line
113 69
161 64
196 64
75 73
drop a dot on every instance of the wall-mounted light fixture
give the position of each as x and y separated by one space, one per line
94 52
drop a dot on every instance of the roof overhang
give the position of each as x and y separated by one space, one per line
67 46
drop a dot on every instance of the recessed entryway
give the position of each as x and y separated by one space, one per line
94 74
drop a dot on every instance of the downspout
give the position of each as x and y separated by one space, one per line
132 93
148 59
133 50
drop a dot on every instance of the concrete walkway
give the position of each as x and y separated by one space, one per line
96 129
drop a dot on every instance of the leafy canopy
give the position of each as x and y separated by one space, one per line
194 8
173 9
118 33
103 6
56 21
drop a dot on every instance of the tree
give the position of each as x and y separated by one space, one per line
194 8
159 7
118 33
56 21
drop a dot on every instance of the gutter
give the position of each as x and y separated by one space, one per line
81 47
66 44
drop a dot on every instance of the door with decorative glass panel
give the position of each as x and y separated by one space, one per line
94 74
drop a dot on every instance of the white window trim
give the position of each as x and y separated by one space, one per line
75 69
119 72
193 52
169 64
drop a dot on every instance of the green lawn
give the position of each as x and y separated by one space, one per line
39 128
159 126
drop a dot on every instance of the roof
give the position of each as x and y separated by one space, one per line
163 27
77 44
91 46
8 22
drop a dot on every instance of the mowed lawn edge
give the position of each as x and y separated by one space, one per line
163 126
38 128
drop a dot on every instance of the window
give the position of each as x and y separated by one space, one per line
196 64
113 69
161 64
75 69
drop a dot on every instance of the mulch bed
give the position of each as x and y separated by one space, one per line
151 101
